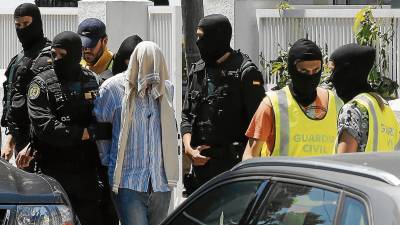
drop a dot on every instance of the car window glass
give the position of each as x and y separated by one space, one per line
354 212
222 205
293 204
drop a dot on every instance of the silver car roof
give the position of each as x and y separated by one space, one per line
378 166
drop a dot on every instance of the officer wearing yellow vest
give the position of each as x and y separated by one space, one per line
300 119
365 123
96 56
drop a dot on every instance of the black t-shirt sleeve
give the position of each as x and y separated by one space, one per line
253 91
186 123
45 125
5 91
18 121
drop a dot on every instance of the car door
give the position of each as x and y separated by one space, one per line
221 204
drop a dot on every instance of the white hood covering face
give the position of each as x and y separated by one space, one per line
147 73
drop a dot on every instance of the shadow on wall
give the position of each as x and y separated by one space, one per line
74 3
160 2
57 3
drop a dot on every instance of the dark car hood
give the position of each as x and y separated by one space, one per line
20 187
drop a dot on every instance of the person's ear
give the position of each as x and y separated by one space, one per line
105 41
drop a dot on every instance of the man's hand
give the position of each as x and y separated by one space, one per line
8 149
85 135
24 157
7 152
195 155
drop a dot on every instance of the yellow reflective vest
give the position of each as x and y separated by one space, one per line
383 131
298 135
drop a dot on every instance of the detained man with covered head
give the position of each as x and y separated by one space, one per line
107 109
146 163
366 122
300 119
28 26
224 86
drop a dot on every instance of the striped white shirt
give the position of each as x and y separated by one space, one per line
143 161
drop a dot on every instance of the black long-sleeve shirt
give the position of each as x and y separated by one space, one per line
240 105
48 128
15 111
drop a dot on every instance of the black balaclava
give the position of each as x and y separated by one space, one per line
33 33
68 68
124 53
304 86
217 37
353 63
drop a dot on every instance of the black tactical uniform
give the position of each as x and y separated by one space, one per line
220 101
19 75
60 102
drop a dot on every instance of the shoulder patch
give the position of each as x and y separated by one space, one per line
34 91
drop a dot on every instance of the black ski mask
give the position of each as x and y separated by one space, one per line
124 53
353 63
68 67
33 33
216 39
304 86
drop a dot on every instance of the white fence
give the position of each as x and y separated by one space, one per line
327 27
55 20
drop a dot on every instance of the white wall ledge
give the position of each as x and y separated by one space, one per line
323 13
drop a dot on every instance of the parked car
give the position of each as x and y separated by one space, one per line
346 189
28 198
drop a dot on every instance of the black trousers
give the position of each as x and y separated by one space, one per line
107 205
82 188
202 174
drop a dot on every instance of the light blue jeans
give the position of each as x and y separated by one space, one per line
142 208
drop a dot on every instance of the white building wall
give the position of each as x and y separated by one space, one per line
122 18
242 15
225 7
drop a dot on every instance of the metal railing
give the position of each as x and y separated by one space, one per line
327 27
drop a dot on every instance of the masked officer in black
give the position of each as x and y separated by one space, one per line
28 24
60 101
224 90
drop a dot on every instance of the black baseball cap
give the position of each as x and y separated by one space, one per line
91 30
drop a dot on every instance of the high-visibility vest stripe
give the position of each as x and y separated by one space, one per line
294 139
383 132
